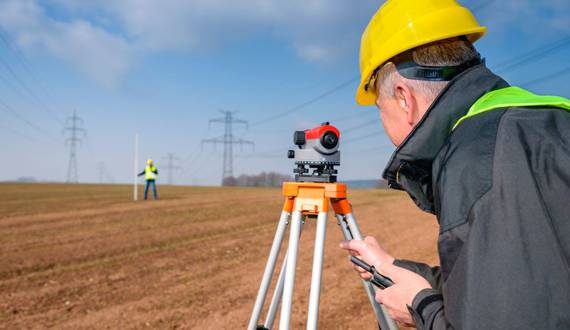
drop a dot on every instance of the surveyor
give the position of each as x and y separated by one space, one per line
490 160
150 172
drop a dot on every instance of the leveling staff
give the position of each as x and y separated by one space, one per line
491 161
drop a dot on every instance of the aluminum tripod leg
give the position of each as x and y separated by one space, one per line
269 269
316 277
295 232
351 231
278 293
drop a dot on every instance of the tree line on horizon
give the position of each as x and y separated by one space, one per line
264 179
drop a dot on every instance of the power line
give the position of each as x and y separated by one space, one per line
376 147
360 138
357 127
528 57
189 162
201 162
546 77
171 167
18 90
7 109
273 153
307 103
33 95
337 88
25 63
505 66
228 140
366 112
525 58
76 134
16 132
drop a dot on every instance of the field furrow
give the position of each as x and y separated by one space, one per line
87 257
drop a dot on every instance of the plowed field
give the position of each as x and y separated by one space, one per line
87 257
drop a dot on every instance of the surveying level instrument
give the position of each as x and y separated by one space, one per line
318 152
309 198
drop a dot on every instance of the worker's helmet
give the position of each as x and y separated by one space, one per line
401 25
149 162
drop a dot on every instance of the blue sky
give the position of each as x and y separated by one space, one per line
164 68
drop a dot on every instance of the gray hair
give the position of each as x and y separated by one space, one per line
449 52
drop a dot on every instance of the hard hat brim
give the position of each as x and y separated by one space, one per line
367 98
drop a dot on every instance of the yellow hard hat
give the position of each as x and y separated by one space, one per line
149 161
401 25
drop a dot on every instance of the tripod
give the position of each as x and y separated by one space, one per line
304 200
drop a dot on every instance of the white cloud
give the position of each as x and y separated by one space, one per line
190 24
103 56
314 52
103 37
319 30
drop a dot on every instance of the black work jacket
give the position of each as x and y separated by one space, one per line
499 185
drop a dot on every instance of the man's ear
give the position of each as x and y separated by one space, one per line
406 101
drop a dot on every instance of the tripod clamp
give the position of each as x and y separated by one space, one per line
377 279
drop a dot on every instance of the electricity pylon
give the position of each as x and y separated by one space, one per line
171 167
228 140
76 133
104 174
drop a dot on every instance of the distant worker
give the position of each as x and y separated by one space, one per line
150 172
490 160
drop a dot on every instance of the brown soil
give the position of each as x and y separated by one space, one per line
86 257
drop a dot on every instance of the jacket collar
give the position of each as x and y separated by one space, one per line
420 148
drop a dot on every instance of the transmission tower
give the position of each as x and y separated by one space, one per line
171 167
228 140
105 175
76 132
101 171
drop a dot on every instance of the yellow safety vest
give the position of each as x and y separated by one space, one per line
513 97
149 173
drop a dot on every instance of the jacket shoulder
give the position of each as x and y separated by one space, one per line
462 170
534 150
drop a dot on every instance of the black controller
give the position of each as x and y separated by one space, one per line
377 279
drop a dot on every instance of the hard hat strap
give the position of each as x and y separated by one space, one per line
409 69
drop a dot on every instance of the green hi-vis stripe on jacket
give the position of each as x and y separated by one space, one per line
513 97
149 173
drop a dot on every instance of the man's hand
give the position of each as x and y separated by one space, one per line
406 286
368 250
